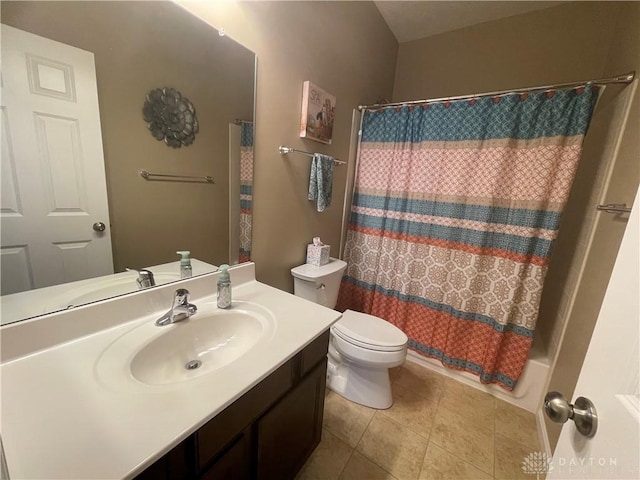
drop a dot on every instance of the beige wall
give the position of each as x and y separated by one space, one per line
566 43
139 46
562 44
343 47
620 183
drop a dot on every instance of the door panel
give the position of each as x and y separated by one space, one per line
16 269
609 378
53 175
61 164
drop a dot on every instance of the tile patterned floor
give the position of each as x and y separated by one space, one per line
437 428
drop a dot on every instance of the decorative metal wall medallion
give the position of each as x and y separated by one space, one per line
170 117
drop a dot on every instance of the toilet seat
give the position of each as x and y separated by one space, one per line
370 332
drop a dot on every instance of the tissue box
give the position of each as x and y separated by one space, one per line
318 254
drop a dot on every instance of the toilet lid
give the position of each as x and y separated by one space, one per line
311 273
369 331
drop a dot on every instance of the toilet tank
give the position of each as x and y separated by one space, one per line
319 284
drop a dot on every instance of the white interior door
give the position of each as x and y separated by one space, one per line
610 379
53 176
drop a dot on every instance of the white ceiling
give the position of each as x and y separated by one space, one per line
418 19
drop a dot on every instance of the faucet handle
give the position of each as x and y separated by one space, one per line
181 297
145 277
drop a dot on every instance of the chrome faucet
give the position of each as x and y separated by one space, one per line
145 278
180 309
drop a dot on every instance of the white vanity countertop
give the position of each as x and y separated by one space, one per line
40 301
60 419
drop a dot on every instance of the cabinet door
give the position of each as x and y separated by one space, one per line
215 435
175 465
234 463
291 430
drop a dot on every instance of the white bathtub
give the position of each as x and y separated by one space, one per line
529 390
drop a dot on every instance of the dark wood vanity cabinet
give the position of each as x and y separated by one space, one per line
290 431
266 434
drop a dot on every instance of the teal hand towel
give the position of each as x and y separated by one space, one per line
321 180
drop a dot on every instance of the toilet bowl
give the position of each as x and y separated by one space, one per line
362 347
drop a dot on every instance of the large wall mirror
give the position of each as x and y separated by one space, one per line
75 207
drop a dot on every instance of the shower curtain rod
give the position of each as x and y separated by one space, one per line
626 78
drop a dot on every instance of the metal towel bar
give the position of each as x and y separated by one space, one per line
284 150
149 176
614 208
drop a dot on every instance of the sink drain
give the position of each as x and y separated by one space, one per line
193 364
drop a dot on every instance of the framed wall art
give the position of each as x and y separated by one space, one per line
318 113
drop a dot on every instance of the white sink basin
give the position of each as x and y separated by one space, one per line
102 288
208 341
197 346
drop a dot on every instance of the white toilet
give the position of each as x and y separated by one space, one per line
362 347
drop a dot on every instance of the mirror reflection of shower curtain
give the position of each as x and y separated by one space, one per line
240 191
246 190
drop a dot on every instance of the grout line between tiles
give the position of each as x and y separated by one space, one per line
433 422
377 464
462 459
492 474
353 450
402 427
408 427
365 430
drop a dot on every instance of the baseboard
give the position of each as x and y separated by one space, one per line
543 437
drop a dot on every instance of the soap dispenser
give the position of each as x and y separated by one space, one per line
224 287
185 264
